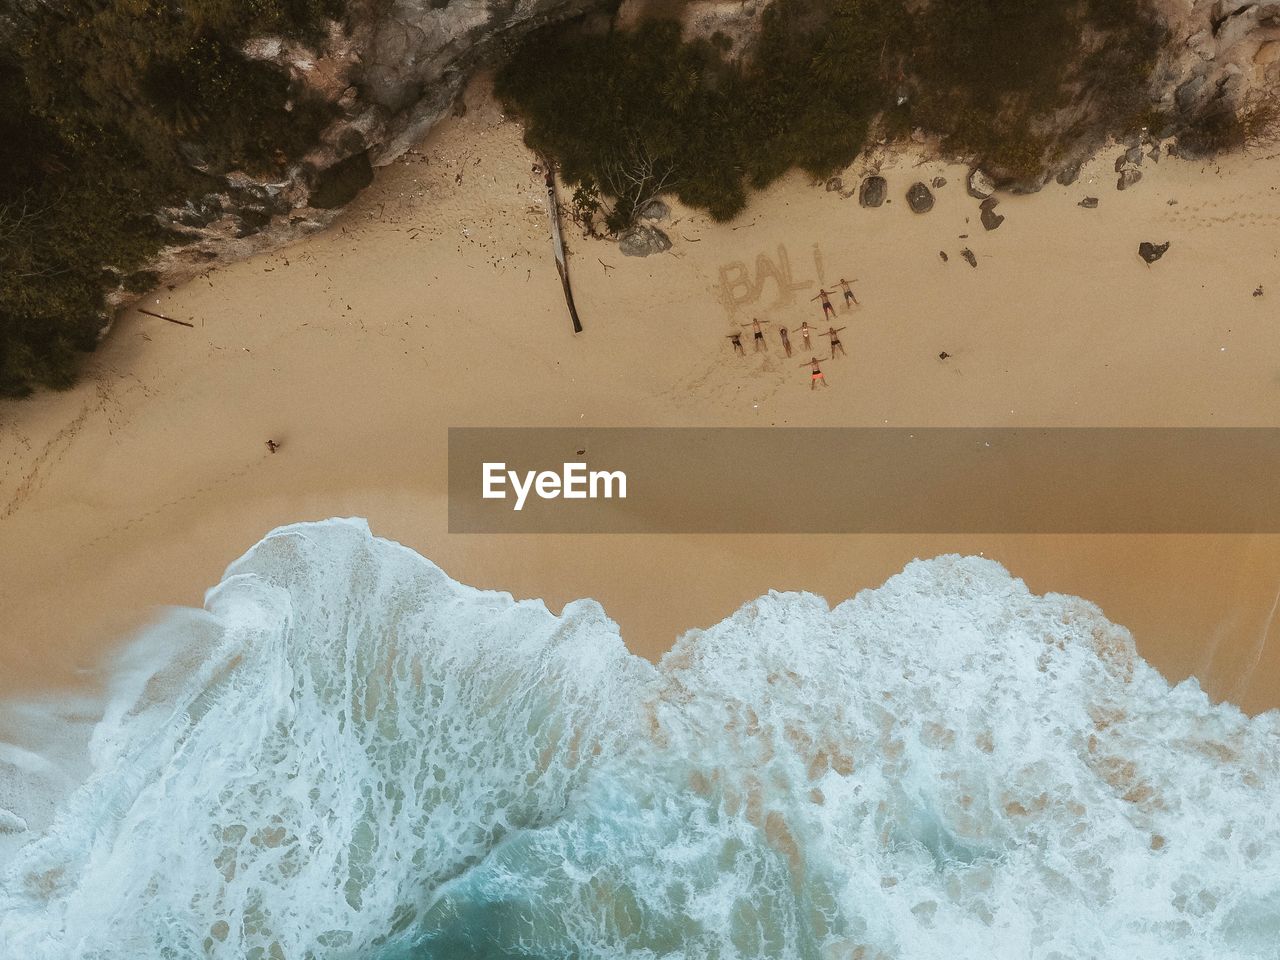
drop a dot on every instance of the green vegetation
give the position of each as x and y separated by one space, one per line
1218 128
1010 83
107 109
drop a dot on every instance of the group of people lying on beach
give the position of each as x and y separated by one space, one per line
832 333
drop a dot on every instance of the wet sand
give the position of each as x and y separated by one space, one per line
433 302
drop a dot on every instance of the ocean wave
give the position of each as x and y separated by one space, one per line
350 755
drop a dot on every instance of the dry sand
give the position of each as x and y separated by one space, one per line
433 302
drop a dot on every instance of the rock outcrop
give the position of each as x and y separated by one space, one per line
394 69
391 72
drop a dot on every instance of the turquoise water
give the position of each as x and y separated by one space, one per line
350 755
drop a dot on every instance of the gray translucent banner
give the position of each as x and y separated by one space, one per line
854 480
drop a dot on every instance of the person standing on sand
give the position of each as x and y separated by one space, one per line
758 334
827 309
833 333
848 291
737 343
816 376
272 446
805 330
786 340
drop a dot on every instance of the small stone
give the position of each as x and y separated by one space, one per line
835 185
939 182
655 210
943 255
1258 291
919 198
944 355
990 219
1069 174
643 240
968 255
1134 156
1151 252
1089 203
1128 178
873 191
981 185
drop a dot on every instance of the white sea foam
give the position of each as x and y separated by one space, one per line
349 755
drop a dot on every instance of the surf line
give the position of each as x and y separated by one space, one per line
557 242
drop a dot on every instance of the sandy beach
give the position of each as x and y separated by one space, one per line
433 302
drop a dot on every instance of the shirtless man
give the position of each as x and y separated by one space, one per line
737 343
815 372
827 309
758 334
833 333
848 291
786 340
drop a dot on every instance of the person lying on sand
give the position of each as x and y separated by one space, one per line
848 291
758 333
805 330
786 340
272 446
825 297
816 373
834 334
737 343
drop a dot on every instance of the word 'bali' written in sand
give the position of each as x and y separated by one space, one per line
743 284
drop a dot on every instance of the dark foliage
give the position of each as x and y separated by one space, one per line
104 105
632 114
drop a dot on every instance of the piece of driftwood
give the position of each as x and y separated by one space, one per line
557 240
161 316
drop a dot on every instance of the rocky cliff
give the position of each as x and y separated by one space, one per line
392 70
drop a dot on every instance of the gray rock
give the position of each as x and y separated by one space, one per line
655 210
981 185
939 182
1134 155
919 198
835 185
1069 174
990 219
969 257
338 185
1151 252
1128 178
873 191
643 240
387 75
1089 203
1188 93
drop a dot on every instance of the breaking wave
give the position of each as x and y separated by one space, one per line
350 755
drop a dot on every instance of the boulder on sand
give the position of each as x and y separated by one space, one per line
873 191
919 198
